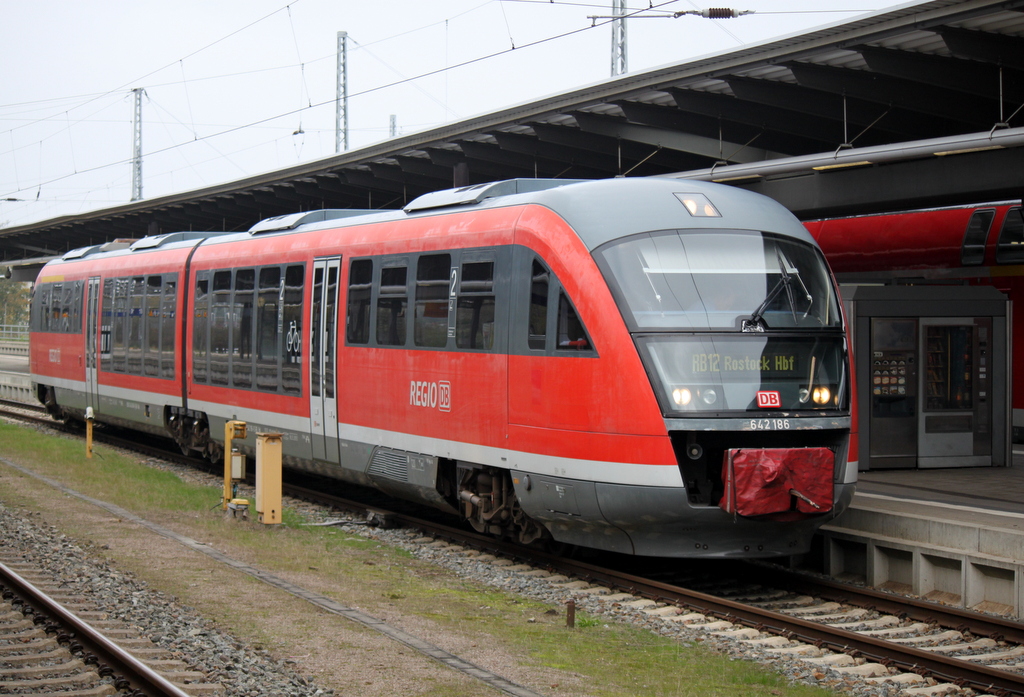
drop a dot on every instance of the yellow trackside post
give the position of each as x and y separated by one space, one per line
88 432
268 478
232 430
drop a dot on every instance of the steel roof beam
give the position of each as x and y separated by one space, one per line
985 46
624 155
555 153
479 170
689 143
905 94
895 125
424 167
368 180
710 114
966 76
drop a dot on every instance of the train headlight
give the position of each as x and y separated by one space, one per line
821 395
681 396
709 396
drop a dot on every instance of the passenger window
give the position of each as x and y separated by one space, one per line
168 328
200 330
291 367
474 321
106 313
571 334
268 339
151 353
357 321
53 320
538 320
67 305
136 299
76 308
120 325
1010 248
392 301
973 251
241 328
430 325
220 323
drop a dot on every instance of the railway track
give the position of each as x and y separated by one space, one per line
54 641
858 631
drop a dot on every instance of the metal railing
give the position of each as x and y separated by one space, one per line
13 332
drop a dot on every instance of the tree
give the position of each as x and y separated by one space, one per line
14 297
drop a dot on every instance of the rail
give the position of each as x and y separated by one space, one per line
136 673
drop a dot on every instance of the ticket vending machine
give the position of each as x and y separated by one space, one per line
933 376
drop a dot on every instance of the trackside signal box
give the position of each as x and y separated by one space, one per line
933 376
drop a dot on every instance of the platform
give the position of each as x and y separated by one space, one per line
951 535
14 348
15 383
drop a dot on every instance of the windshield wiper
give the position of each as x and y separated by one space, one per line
787 272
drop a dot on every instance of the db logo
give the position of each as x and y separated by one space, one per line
768 399
444 396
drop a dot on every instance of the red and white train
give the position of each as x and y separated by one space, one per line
649 366
975 245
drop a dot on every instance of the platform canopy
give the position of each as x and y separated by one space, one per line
913 107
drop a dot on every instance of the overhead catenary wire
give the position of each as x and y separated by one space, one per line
308 103
331 101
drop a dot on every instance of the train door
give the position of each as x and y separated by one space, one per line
323 407
91 338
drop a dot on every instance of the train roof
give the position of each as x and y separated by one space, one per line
598 210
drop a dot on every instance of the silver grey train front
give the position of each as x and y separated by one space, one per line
738 322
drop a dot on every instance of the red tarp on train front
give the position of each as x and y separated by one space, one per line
777 480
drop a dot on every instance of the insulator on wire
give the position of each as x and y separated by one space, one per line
716 13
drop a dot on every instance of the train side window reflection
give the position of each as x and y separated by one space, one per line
430 325
151 345
268 338
391 306
220 323
106 313
1010 248
973 251
200 330
571 334
291 366
360 281
242 328
136 296
474 320
538 321
168 327
120 322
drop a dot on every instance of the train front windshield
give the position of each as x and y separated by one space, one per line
731 320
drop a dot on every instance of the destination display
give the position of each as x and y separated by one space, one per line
745 372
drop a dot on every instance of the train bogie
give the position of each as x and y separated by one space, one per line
545 359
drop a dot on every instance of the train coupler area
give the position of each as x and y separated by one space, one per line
784 483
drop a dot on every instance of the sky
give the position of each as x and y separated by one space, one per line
237 88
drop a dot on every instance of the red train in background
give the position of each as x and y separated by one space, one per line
647 366
976 244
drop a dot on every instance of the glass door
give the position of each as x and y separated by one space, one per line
91 338
323 406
